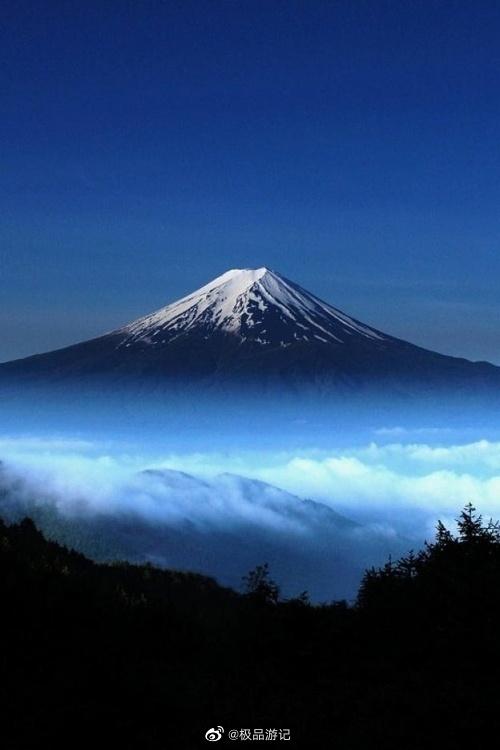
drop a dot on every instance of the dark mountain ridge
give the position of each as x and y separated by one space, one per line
138 657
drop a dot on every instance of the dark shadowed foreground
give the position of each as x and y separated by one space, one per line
135 657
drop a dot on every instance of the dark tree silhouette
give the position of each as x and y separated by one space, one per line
455 577
260 586
134 656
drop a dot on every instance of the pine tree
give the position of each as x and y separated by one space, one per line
259 585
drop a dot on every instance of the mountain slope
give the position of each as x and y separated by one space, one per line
255 326
255 306
219 526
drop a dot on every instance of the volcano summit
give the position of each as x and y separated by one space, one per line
255 307
253 326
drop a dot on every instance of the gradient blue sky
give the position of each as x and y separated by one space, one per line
149 146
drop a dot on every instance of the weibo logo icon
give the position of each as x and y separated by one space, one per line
214 734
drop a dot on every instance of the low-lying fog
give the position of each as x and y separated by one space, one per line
319 516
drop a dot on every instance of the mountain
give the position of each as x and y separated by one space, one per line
222 526
259 308
253 326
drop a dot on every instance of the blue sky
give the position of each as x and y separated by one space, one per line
149 146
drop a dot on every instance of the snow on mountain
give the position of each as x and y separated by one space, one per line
254 329
257 306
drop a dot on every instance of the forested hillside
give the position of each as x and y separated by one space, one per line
136 657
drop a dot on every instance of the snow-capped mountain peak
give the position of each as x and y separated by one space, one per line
253 331
258 306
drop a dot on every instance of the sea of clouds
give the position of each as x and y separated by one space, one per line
406 484
222 511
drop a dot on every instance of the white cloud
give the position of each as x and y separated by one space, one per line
403 485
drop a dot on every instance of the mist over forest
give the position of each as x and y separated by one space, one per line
217 487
